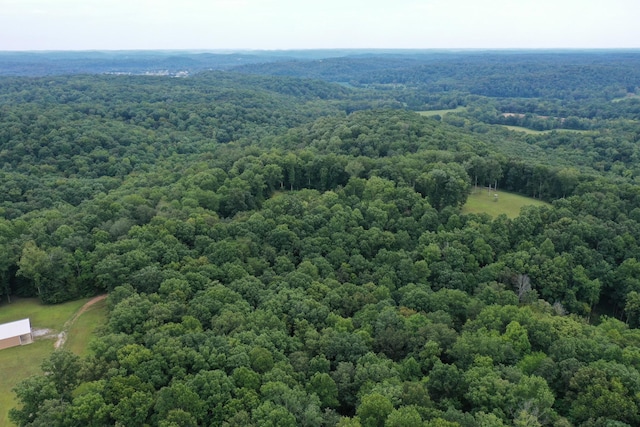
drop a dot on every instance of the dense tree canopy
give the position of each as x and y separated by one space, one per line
285 251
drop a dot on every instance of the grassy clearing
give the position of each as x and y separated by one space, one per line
629 96
538 132
84 327
430 113
42 316
522 129
482 201
18 363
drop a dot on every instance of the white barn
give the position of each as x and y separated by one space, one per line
15 333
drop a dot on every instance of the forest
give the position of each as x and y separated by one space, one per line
283 241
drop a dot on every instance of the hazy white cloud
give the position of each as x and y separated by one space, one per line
285 24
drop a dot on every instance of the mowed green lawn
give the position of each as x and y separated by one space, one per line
482 201
18 363
85 326
42 316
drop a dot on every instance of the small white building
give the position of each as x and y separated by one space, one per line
15 333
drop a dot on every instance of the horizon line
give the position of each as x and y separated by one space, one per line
244 50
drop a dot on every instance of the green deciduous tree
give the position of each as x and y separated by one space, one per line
445 185
32 393
63 369
325 388
374 410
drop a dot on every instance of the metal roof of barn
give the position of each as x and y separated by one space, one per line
14 329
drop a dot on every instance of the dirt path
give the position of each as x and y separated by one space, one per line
62 336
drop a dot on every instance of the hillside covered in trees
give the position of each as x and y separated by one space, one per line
290 250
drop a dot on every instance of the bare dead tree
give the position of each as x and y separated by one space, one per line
523 286
558 309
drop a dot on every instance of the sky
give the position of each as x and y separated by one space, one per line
301 24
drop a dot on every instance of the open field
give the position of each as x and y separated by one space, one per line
430 113
523 129
18 363
629 96
482 201
538 132
84 327
42 316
